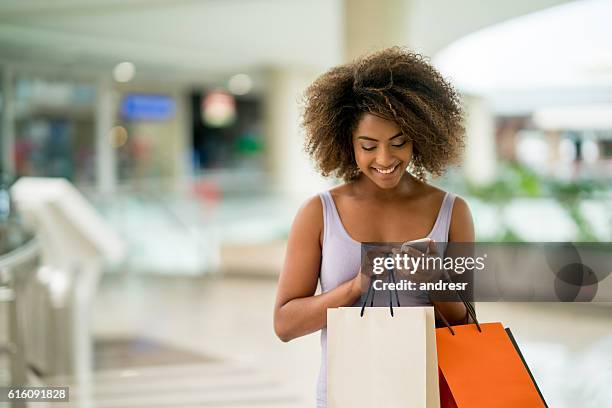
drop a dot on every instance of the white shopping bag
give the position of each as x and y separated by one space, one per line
380 360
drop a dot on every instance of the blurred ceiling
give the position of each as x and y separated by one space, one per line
558 56
181 37
189 40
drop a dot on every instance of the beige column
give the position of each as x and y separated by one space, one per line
106 167
182 144
7 132
480 159
373 25
291 171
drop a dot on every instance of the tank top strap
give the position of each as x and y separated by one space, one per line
330 215
442 225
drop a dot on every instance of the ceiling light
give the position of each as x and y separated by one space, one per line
124 72
240 84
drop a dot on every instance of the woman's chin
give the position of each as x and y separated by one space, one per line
386 181
387 186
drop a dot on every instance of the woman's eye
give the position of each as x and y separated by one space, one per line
368 148
399 144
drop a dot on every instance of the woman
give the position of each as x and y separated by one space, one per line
381 123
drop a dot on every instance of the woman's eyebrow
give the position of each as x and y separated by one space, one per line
376 140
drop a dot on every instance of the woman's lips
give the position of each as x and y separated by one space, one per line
387 170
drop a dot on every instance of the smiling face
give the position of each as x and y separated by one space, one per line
382 151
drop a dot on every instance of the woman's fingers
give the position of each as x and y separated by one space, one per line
432 248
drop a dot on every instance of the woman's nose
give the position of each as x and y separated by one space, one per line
384 157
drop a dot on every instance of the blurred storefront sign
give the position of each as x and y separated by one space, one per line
147 107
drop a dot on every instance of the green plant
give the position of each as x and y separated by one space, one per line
517 181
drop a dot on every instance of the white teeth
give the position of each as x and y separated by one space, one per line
387 171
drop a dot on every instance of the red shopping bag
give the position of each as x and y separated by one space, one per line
446 397
480 367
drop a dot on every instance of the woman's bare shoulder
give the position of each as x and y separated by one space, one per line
311 210
431 192
308 222
461 226
340 190
436 194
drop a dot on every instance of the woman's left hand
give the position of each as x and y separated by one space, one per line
417 262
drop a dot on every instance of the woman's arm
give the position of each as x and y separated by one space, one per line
461 230
298 311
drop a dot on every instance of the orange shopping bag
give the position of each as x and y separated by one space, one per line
480 367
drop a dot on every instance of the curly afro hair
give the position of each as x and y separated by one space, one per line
394 84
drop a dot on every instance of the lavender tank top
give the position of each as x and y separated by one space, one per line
341 259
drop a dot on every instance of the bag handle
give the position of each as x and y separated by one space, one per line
470 311
390 279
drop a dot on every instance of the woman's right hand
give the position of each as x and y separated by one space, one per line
359 284
367 271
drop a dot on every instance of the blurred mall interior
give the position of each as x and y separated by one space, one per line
146 275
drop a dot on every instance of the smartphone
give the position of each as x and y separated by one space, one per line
421 245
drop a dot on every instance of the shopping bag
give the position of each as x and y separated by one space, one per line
518 351
446 396
381 358
482 368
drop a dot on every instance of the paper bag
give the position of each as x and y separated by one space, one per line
380 360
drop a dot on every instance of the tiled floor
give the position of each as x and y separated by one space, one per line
121 352
228 320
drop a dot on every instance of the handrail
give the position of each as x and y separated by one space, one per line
20 254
